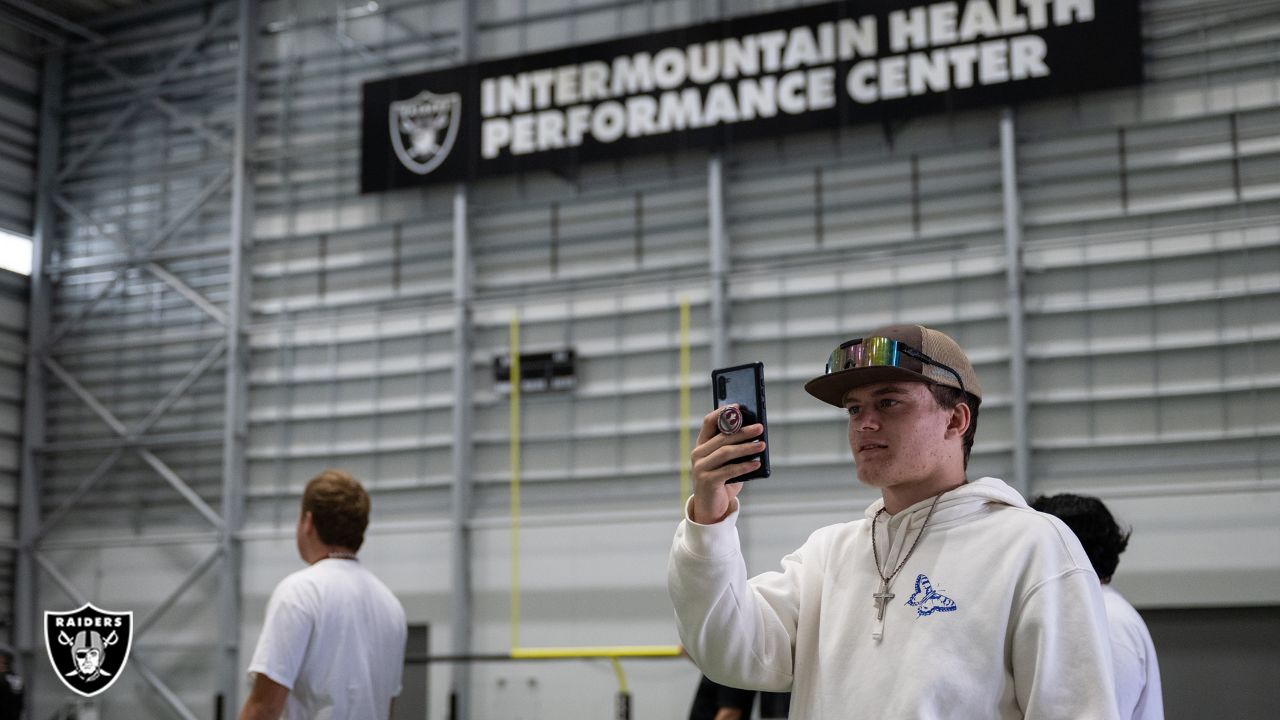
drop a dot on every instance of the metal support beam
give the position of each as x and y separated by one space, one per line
180 389
98 142
188 292
1021 480
346 42
60 580
147 456
719 258
236 423
116 261
156 684
232 345
131 541
86 397
188 212
189 439
136 662
460 533
27 614
56 40
206 193
53 19
70 323
182 487
149 89
214 187
85 218
192 576
179 117
460 598
83 489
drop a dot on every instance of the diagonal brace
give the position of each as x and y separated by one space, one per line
147 89
213 188
87 397
192 576
54 19
188 292
165 107
85 219
62 581
181 388
158 685
181 486
85 486
147 674
147 456
103 293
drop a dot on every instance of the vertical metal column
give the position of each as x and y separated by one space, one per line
235 427
719 251
460 500
1013 295
27 617
460 610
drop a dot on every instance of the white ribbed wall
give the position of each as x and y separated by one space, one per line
1151 291
19 103
14 292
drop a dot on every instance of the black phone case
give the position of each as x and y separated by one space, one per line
743 385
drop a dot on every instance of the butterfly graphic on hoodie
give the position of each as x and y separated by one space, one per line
928 601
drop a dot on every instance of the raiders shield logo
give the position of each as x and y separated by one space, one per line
88 647
423 129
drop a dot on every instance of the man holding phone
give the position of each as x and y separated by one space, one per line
949 598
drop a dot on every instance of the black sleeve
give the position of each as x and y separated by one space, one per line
735 698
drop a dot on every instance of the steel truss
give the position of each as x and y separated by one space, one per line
150 256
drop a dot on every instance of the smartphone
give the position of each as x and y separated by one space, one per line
743 385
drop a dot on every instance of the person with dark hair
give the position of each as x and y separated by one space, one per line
333 641
1134 655
948 598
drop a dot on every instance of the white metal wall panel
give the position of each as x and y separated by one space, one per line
614 440
504 29
1154 361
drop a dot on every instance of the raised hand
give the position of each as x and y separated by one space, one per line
713 467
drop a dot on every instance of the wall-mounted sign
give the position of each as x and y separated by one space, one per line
812 67
539 372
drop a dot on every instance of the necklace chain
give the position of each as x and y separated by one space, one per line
875 551
342 555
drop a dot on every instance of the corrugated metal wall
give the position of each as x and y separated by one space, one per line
19 103
14 292
1151 292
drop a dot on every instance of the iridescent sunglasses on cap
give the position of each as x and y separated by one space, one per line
881 352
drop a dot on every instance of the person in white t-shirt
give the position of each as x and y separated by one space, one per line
332 644
1133 653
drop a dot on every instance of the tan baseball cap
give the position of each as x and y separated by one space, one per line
895 352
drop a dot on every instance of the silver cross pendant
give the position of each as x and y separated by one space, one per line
881 598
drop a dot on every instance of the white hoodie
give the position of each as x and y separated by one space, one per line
997 614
